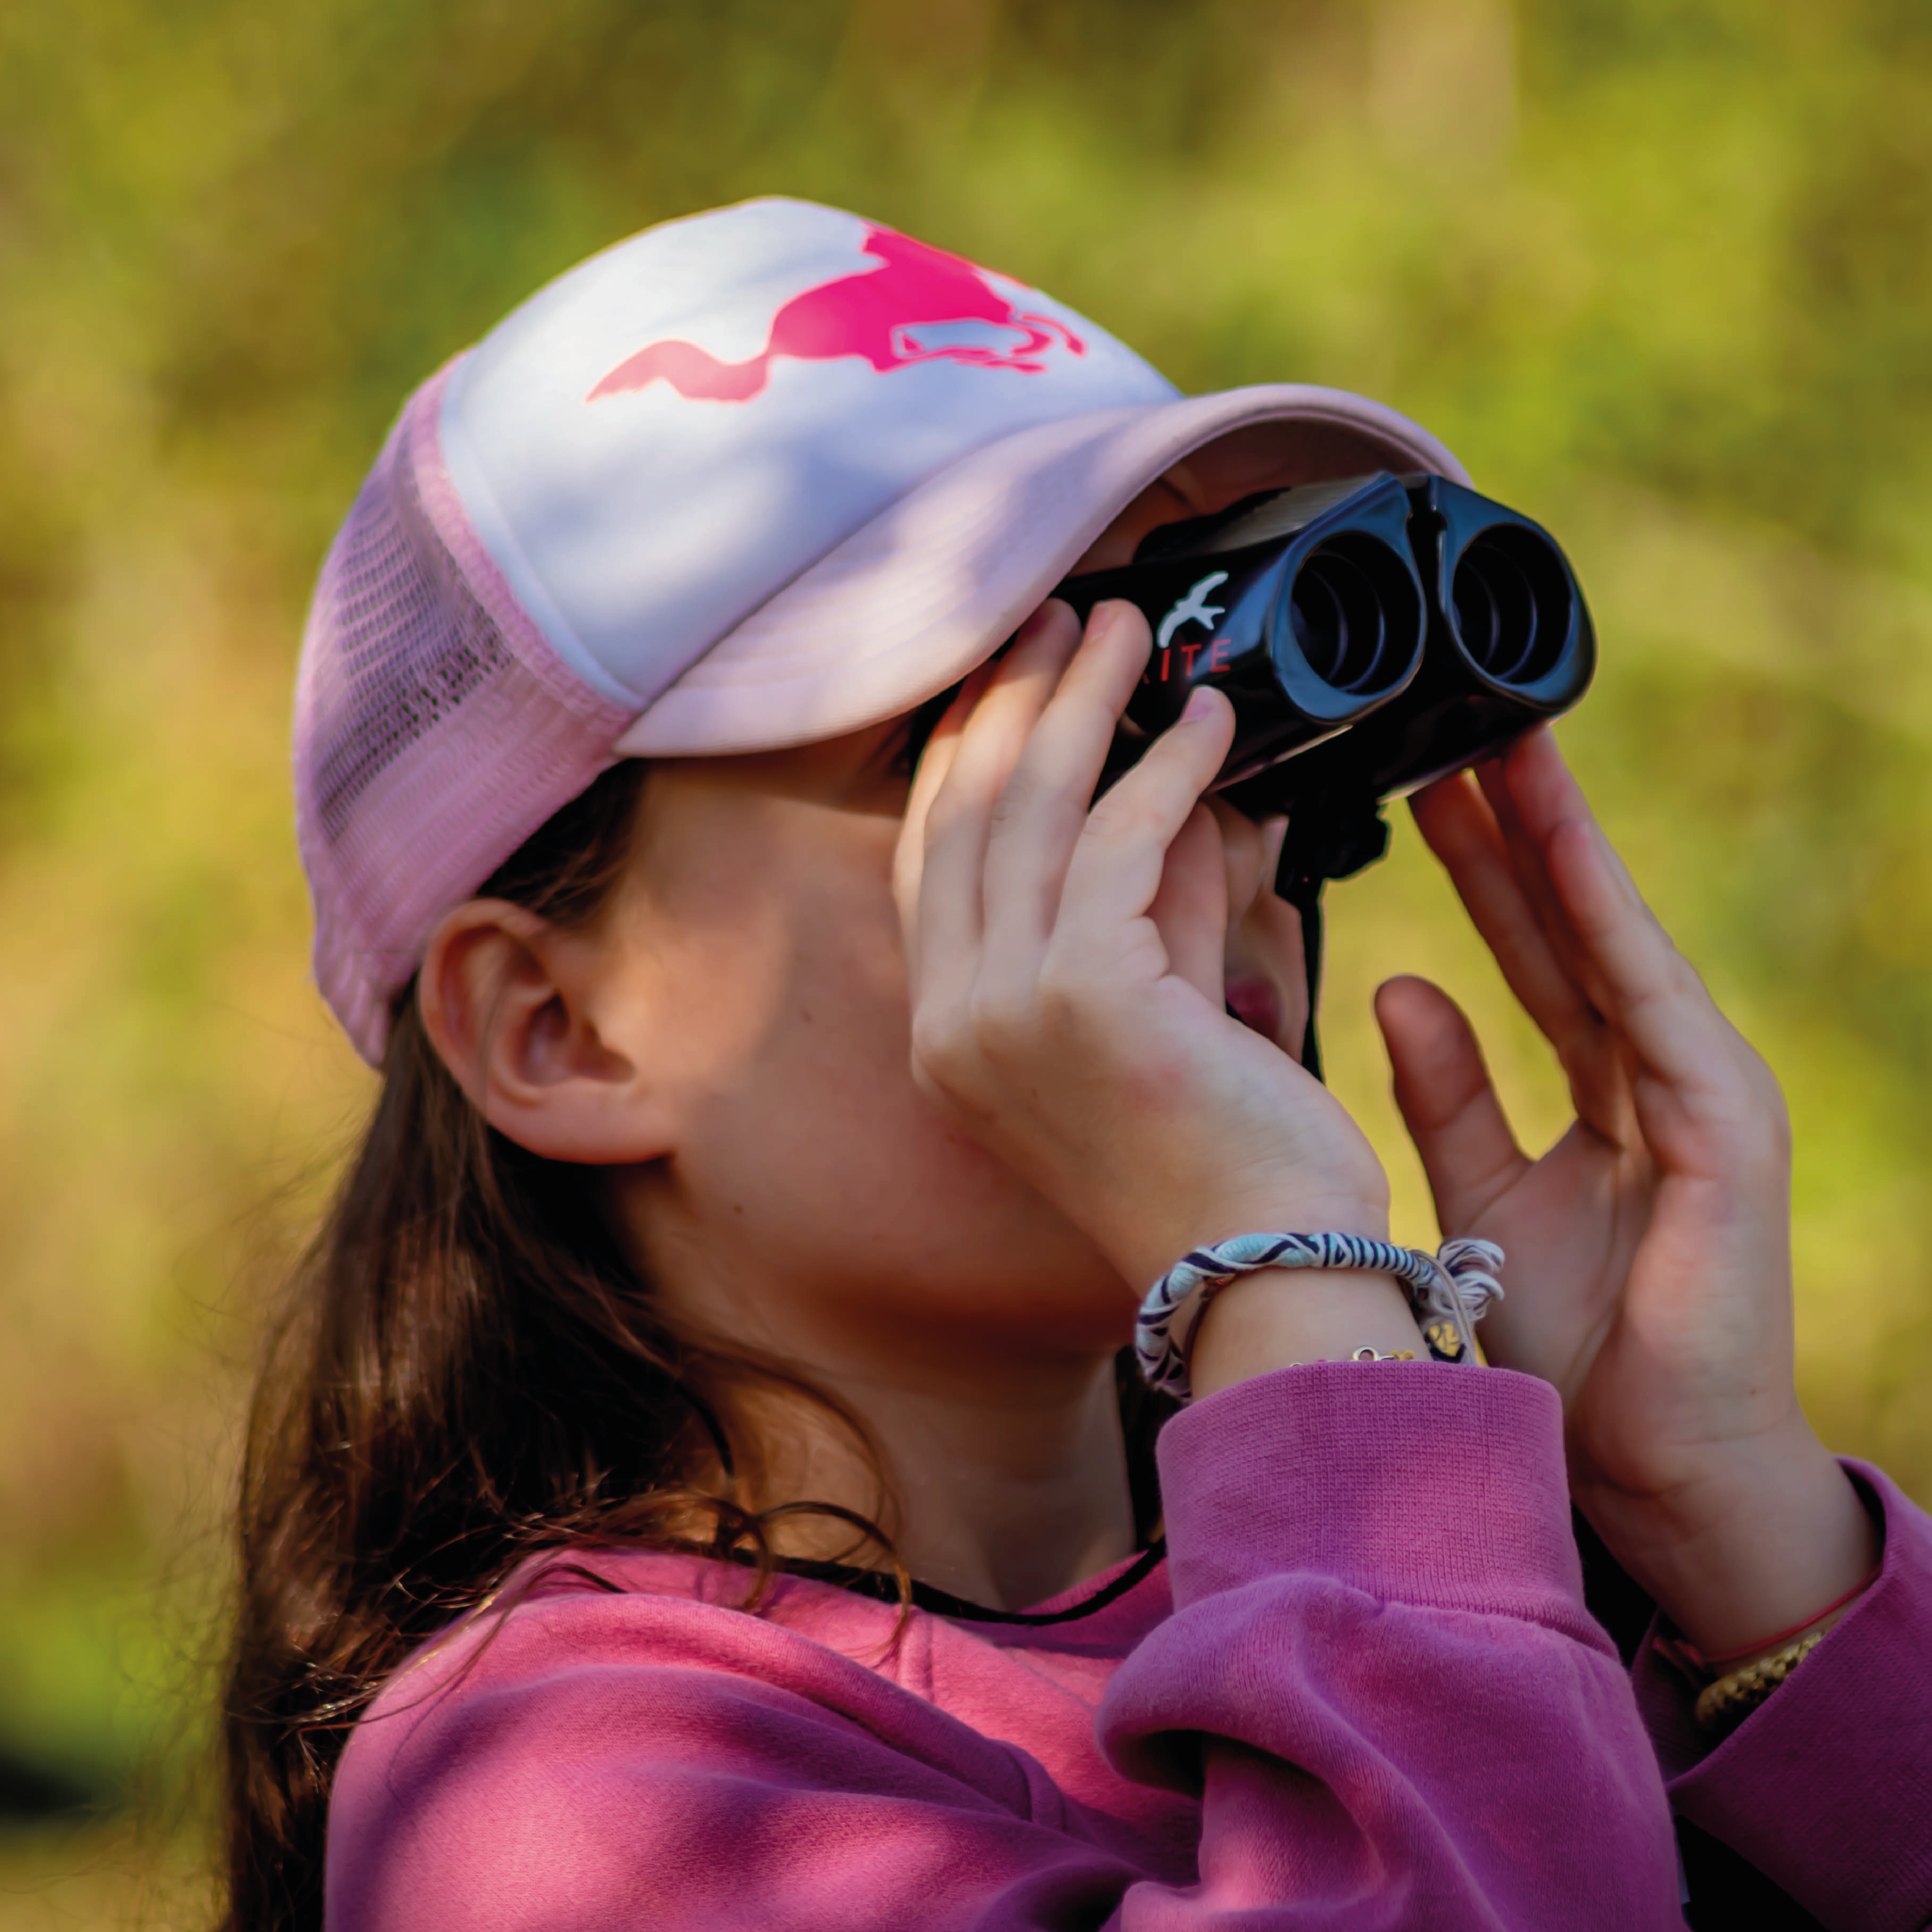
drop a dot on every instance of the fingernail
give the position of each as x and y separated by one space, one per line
1200 702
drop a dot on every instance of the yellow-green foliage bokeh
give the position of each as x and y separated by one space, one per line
1660 270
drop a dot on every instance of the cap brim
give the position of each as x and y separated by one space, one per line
912 600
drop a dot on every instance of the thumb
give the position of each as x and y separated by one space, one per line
1447 1102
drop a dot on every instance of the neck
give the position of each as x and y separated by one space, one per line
1010 1502
1004 1488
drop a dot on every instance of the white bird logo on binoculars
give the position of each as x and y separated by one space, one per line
1193 609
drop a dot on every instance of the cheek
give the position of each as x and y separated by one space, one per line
831 1168
820 1108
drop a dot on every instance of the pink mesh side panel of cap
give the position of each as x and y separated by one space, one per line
436 729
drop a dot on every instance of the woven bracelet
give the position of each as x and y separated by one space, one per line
1449 1291
1731 1700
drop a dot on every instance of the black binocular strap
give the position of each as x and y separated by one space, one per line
1304 893
1330 836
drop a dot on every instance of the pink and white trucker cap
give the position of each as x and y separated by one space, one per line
751 478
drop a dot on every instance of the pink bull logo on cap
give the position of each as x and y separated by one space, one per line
921 305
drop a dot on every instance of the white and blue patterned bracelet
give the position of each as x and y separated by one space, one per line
1449 1291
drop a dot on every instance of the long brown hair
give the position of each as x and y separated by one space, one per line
469 1368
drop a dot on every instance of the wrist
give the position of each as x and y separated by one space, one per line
1146 1253
1279 1318
1761 1544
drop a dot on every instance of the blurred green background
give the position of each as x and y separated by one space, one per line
1660 270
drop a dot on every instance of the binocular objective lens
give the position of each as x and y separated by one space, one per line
1514 605
1352 609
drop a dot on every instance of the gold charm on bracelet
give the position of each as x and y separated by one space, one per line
1377 1355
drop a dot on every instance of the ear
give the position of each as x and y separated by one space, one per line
509 1001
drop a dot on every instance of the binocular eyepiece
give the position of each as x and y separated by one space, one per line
1372 634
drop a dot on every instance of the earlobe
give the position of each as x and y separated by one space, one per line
508 1000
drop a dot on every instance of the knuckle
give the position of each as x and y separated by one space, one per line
1674 982
1764 1117
1058 984
1009 811
1761 1138
938 1042
1063 1001
1122 816
1002 1020
1776 1117
1686 983
1020 800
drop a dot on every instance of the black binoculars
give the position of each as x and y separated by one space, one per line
1372 634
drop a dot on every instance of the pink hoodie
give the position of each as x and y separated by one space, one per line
1362 1692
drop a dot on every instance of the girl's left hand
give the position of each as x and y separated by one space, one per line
1649 1265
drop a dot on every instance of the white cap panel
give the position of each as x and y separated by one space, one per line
647 467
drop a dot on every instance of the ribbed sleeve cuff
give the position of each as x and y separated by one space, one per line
1421 1482
1827 1786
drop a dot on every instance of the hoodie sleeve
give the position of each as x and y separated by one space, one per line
1379 1673
1378 1685
1826 1787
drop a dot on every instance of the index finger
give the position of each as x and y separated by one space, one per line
1646 989
1459 827
952 815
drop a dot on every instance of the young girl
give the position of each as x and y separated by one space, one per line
702 1481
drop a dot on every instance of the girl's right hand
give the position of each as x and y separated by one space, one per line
1066 966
